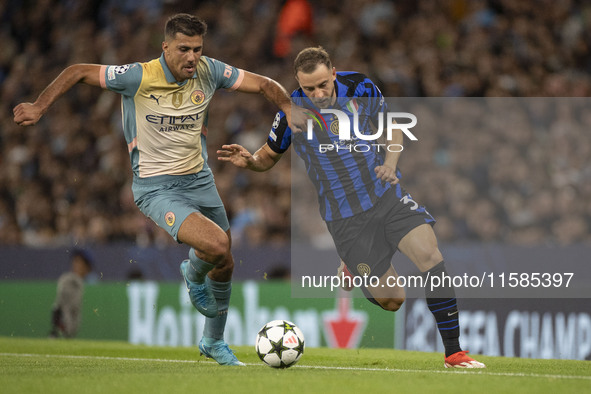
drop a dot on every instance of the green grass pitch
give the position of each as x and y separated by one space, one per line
80 366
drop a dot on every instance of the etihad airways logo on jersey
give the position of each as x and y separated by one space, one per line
342 127
175 123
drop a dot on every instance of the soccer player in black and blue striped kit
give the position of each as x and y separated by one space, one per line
366 210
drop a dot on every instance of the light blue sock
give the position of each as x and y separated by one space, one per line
214 326
197 269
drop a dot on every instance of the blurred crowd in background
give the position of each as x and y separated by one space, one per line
68 180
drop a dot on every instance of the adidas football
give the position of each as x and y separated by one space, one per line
280 344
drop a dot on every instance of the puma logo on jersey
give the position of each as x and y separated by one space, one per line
157 99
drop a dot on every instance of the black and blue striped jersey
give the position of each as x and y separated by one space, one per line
341 170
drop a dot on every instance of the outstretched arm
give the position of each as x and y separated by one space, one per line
263 159
275 93
27 114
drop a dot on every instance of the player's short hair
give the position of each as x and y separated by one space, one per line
187 24
308 59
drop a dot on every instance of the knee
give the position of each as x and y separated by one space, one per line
392 304
431 257
219 250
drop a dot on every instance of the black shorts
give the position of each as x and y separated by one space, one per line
366 242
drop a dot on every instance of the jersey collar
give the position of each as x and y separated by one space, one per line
168 75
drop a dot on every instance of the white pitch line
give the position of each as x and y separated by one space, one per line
449 371
470 371
99 357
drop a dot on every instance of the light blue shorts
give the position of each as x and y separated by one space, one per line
169 199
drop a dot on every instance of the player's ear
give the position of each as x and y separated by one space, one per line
334 73
164 45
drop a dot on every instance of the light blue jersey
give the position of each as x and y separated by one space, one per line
163 120
164 123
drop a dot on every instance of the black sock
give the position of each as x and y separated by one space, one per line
442 303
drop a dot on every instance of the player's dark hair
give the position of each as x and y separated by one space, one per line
187 24
308 59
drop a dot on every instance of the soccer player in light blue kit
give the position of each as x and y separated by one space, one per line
164 105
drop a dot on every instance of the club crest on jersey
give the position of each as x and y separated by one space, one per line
334 126
169 218
177 99
197 97
363 269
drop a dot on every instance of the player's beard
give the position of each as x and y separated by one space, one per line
325 102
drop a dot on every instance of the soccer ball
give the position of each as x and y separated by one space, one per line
280 344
